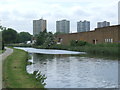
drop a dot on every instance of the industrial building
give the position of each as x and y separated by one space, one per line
108 34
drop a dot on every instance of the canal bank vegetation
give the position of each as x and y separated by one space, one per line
15 75
18 45
11 38
47 41
104 49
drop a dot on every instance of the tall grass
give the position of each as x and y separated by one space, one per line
106 49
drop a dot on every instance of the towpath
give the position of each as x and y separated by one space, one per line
3 56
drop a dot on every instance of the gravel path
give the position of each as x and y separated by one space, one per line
3 57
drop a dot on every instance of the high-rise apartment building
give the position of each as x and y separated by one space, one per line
103 24
83 26
39 26
63 26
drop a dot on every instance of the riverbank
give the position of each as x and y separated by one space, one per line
3 56
14 71
105 50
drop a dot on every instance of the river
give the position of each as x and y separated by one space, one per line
67 69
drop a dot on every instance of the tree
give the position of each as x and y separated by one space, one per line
22 37
9 36
40 38
50 39
45 39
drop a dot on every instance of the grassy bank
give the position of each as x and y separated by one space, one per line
106 49
18 45
14 72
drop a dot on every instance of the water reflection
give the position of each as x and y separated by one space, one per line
66 71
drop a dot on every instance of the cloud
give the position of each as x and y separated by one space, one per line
119 13
19 14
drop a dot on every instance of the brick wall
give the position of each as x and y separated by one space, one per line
99 35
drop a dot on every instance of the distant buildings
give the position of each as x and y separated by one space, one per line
83 26
98 36
103 24
39 26
63 26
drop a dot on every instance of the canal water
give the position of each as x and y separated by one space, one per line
73 71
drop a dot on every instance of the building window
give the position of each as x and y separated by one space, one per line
109 40
105 40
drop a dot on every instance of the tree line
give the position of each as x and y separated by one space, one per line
12 36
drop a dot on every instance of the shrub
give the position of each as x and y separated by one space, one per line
78 43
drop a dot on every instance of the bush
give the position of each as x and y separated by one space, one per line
107 45
78 43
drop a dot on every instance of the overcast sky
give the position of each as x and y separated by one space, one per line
19 14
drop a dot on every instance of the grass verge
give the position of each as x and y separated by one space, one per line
14 72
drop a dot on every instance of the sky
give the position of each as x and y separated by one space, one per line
19 14
119 13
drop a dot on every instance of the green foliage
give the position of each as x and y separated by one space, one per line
40 38
18 45
108 45
105 49
39 77
45 39
15 75
49 41
78 43
9 35
22 37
